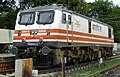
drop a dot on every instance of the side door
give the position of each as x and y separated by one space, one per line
67 21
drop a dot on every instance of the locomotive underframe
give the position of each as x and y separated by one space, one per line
47 56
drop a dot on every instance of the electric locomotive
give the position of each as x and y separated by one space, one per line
48 33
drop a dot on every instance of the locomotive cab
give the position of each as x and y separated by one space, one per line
36 33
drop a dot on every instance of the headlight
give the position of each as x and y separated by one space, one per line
14 50
45 50
33 32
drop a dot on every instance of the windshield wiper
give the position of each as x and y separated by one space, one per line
29 19
46 21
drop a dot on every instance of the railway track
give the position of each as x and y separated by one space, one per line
69 70
56 72
106 72
8 64
111 70
112 73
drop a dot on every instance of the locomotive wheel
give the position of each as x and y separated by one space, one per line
75 61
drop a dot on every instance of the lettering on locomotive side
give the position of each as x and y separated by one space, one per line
97 27
77 23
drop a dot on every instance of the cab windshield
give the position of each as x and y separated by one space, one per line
27 18
45 17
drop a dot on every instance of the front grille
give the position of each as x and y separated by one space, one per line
43 61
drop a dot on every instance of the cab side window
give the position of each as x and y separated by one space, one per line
69 19
63 18
89 28
109 33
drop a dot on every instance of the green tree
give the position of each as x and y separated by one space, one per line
114 20
7 14
79 6
100 7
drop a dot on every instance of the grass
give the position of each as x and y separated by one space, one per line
117 52
96 68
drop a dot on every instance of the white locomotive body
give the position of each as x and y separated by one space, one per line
57 32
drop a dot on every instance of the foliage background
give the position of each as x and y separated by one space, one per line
102 10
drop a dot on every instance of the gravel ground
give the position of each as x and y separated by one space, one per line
112 73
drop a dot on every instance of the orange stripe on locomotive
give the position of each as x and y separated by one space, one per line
93 38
